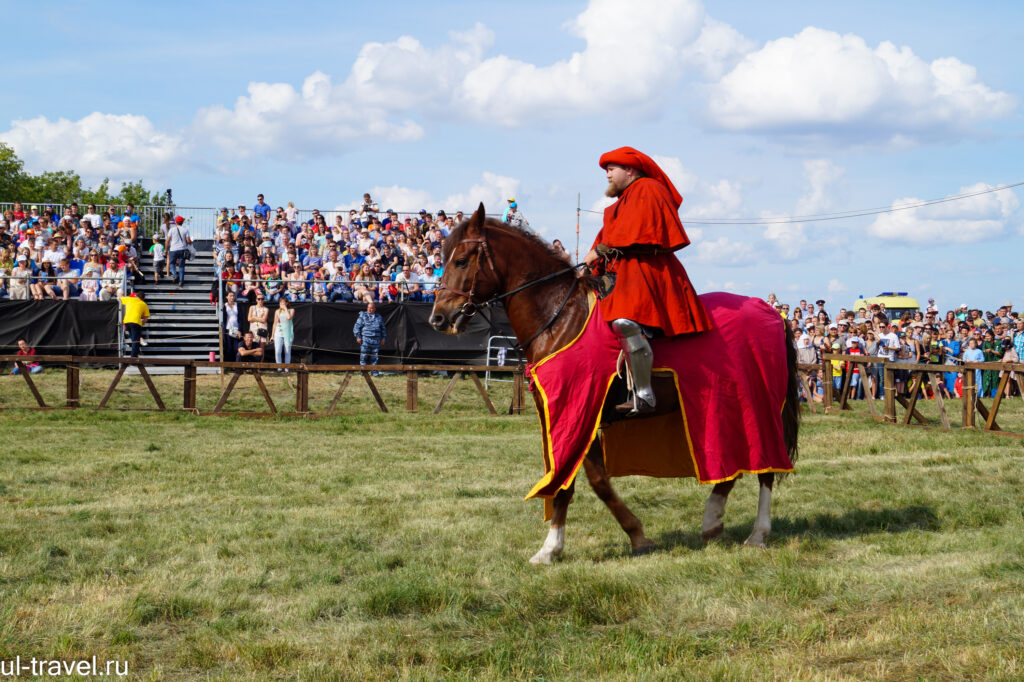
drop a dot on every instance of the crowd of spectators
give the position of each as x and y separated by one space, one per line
82 255
367 255
921 337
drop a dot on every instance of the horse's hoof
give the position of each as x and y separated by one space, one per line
645 548
755 544
713 534
542 559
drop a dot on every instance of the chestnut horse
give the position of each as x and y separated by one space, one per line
487 260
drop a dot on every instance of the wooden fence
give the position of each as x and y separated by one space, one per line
919 378
236 370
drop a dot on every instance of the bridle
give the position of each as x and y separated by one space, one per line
471 307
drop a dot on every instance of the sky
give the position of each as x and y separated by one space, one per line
755 110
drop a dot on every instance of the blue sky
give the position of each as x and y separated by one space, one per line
754 109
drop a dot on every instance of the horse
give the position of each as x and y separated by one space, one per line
487 261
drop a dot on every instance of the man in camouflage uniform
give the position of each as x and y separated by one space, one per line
370 333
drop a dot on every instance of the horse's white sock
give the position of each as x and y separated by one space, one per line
714 510
763 522
552 546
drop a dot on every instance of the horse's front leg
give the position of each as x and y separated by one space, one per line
714 510
555 541
763 523
598 477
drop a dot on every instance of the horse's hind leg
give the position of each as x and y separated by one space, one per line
763 522
594 466
714 510
556 532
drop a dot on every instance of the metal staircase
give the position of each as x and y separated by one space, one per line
183 322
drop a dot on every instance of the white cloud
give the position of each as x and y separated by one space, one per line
633 55
701 198
790 239
724 252
492 189
633 52
835 286
718 49
821 82
962 221
122 147
315 120
821 175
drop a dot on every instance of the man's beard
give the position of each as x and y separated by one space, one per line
613 190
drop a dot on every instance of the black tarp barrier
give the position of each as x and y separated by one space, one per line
323 334
323 331
60 327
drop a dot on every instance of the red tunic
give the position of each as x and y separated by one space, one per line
653 290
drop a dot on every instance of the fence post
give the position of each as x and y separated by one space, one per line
826 383
302 391
970 396
518 384
411 390
889 388
189 398
72 384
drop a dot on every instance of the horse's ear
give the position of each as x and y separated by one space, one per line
476 221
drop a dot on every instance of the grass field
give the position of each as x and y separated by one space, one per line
370 546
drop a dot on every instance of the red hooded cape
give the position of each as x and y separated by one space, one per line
653 290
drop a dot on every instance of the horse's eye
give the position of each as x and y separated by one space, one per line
461 263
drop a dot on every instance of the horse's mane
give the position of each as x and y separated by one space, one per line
531 237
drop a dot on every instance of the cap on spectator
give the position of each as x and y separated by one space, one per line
894 324
179 219
963 305
423 211
852 340
1007 305
833 326
22 257
820 301
390 210
846 322
512 200
835 345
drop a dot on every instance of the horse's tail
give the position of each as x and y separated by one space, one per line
791 408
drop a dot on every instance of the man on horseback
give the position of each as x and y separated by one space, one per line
653 295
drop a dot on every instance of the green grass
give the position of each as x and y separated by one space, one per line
371 546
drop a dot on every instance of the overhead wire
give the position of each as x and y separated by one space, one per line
839 215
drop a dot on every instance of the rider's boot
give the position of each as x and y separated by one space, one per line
639 359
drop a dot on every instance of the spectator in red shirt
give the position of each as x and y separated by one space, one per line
24 349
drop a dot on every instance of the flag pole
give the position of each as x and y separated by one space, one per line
577 259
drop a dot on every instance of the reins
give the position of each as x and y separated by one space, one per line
471 307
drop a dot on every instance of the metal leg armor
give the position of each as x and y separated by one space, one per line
639 360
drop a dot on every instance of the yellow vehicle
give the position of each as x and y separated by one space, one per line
896 303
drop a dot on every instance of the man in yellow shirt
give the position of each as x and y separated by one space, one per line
136 312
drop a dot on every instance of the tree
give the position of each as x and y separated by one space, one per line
51 187
12 173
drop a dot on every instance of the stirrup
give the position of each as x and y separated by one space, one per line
635 406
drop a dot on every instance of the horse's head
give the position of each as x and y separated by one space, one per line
469 275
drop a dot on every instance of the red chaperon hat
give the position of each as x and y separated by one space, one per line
631 158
